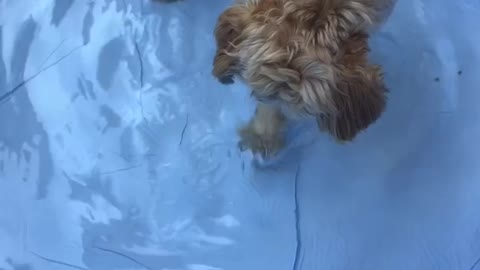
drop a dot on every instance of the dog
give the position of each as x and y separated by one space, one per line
302 58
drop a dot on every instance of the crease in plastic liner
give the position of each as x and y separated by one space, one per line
118 149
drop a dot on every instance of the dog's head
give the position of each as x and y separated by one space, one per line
230 26
309 56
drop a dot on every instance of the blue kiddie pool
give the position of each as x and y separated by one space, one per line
118 148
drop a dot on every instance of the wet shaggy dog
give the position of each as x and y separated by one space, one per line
302 58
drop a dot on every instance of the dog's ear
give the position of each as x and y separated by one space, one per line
360 99
358 95
227 34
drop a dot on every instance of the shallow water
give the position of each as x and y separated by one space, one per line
118 148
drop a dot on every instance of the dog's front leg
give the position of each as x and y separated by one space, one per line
264 134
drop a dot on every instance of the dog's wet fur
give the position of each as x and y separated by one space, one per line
303 58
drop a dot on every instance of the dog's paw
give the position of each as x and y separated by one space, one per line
265 145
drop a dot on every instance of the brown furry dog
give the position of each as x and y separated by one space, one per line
303 57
